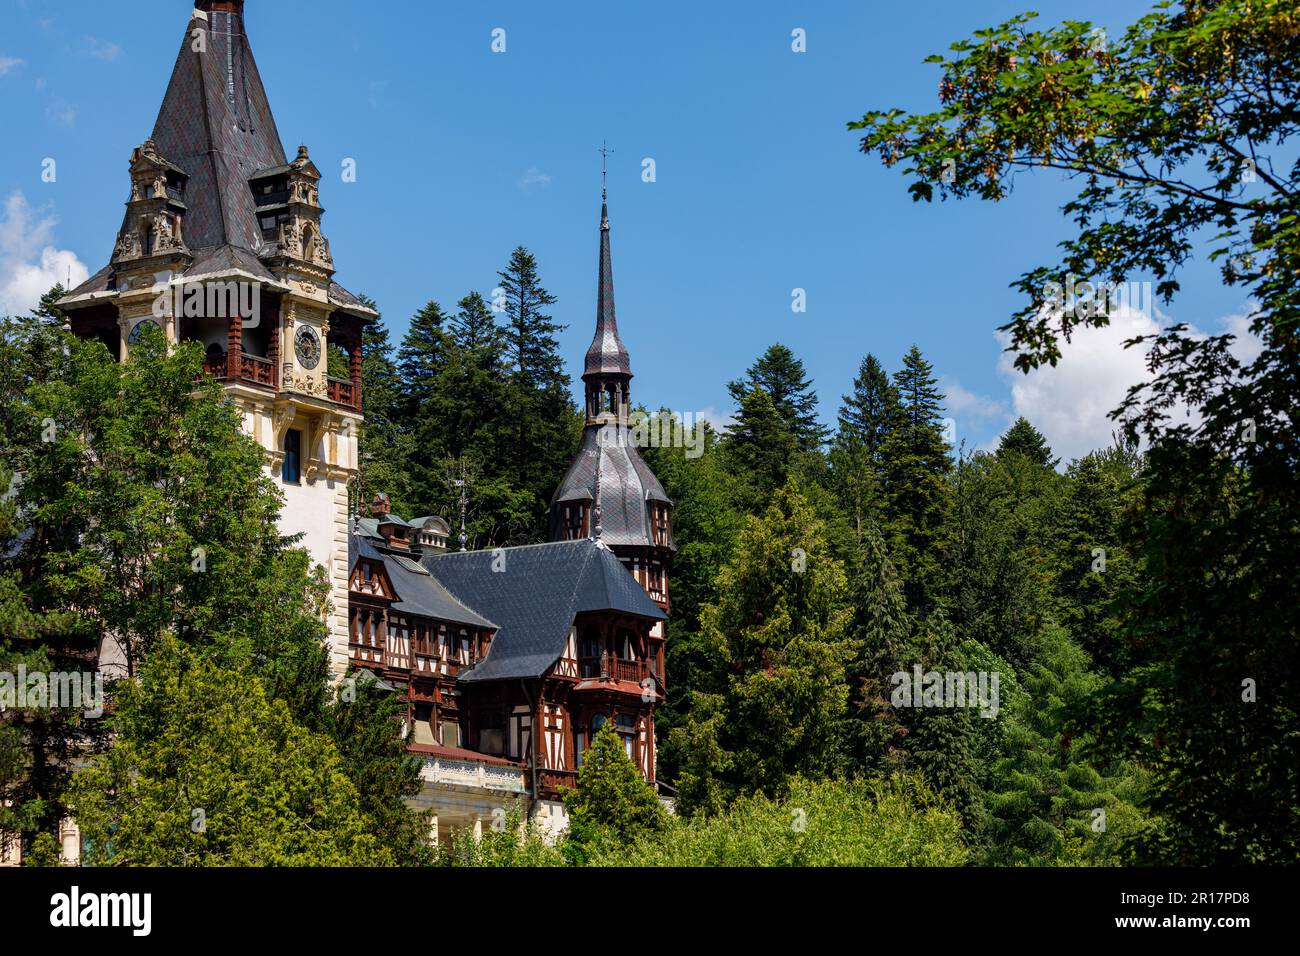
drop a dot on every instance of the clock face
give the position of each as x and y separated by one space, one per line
138 329
307 344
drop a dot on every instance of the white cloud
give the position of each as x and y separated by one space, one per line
961 401
103 49
720 421
1070 403
7 63
533 177
62 114
29 262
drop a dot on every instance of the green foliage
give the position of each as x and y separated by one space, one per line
511 843
1047 794
612 804
150 513
1002 538
208 770
917 466
779 632
783 378
819 823
857 455
1177 135
362 722
760 448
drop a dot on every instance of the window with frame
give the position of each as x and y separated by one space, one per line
291 470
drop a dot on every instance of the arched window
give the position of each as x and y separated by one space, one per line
308 239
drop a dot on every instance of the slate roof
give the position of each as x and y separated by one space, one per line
534 599
418 592
607 353
215 124
626 485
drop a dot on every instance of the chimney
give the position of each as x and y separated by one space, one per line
381 506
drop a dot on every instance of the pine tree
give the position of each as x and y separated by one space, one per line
782 376
760 448
882 632
538 404
530 330
612 804
780 632
383 445
916 471
866 418
1024 439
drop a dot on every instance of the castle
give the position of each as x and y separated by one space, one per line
508 660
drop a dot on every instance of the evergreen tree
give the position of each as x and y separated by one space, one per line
782 376
208 770
942 742
916 470
1047 795
760 448
857 459
612 804
882 631
384 437
1023 438
1096 571
1005 515
780 632
544 422
361 721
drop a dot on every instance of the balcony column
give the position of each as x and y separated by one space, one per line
234 345
273 345
354 369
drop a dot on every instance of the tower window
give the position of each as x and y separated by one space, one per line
292 469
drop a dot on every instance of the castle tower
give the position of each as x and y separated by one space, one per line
609 492
222 244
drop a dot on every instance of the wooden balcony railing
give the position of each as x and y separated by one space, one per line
555 781
604 668
342 392
363 652
257 370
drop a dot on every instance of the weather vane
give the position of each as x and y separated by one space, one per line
604 151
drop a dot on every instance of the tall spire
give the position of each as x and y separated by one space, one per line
607 354
215 123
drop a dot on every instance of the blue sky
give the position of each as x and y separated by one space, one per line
463 153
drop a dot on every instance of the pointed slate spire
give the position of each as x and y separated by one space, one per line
607 355
215 123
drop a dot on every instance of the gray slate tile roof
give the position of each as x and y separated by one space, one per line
534 599
626 485
219 139
418 592
606 352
